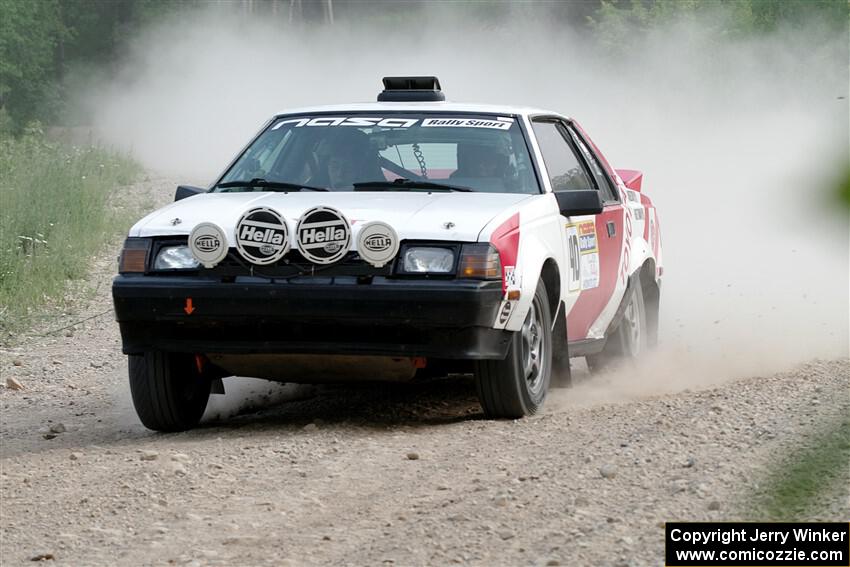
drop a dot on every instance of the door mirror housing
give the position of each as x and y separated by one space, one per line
574 203
186 191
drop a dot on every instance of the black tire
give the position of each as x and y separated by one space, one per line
509 388
629 341
169 393
562 376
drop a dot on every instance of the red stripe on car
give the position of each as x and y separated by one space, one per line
591 302
506 240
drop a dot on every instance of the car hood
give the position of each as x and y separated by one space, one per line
415 215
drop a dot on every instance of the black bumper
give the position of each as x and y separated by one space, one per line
392 317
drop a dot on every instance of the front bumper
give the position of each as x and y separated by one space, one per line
332 315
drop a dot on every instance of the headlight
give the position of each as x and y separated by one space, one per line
428 259
175 258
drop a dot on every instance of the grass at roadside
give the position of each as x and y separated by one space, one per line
54 215
792 491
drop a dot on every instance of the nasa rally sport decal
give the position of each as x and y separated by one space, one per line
262 236
208 244
377 243
323 235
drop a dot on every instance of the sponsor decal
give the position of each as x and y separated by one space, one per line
627 239
361 121
512 278
589 254
586 228
584 255
587 237
505 312
377 243
653 235
499 123
208 244
262 236
323 235
574 271
467 123
590 271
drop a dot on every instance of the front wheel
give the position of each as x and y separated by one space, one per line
169 393
517 386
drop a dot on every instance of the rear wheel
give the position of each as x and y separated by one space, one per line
517 386
629 341
169 393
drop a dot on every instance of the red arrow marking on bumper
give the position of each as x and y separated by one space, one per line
188 309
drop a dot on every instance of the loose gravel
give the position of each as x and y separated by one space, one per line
375 475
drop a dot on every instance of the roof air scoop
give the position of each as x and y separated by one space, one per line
411 89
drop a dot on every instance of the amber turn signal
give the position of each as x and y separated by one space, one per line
480 261
134 257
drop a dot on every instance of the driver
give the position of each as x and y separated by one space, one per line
479 160
348 158
342 170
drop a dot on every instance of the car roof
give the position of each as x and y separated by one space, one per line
421 107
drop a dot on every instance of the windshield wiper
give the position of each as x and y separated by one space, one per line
259 182
402 184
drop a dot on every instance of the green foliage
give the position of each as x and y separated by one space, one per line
41 39
54 215
619 21
768 15
792 490
29 34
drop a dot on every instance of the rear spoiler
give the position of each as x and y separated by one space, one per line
632 178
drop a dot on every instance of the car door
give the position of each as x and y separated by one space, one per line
594 242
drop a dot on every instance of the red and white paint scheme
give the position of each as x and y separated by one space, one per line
544 255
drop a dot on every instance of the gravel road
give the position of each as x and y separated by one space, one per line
377 475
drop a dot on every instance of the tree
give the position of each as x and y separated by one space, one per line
29 34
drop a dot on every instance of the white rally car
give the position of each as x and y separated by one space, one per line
389 241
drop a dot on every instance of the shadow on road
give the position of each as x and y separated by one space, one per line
378 405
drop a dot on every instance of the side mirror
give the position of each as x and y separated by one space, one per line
185 191
574 203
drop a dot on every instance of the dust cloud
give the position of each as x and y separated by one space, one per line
739 142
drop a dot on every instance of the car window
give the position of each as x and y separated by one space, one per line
478 152
440 160
566 173
595 169
260 158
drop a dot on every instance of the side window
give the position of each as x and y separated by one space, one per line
260 160
566 172
595 167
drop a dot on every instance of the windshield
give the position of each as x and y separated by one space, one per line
346 152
